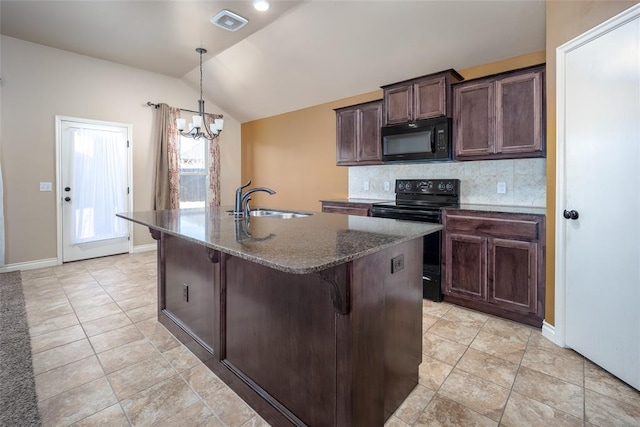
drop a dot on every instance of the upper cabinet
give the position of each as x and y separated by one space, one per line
358 134
420 98
501 116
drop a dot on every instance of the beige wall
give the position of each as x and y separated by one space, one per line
565 21
295 154
39 83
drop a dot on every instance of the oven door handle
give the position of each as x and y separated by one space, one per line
422 216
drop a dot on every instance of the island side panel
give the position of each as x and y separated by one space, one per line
280 336
380 341
187 292
403 325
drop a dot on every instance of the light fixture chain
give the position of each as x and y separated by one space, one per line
201 76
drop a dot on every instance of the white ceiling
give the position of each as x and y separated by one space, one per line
297 54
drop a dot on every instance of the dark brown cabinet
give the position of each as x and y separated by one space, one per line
348 208
358 134
420 98
188 288
495 263
500 116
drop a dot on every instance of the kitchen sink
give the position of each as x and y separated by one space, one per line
275 213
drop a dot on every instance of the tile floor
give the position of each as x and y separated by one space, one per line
101 358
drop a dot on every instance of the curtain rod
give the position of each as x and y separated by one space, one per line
151 104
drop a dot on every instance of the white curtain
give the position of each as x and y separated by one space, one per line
1 218
98 185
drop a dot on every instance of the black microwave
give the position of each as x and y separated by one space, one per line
422 140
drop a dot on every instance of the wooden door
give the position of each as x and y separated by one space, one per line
519 113
513 279
466 266
398 105
369 142
347 136
598 252
474 119
429 98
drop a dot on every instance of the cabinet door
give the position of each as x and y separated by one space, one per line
398 103
429 99
466 266
189 288
519 113
474 119
513 277
369 143
346 136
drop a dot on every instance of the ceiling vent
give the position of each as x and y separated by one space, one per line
229 20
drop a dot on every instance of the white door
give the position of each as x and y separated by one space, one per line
598 253
93 185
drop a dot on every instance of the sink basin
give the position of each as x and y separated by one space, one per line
275 213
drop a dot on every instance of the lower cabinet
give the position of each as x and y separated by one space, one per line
494 262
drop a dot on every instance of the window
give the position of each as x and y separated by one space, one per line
193 162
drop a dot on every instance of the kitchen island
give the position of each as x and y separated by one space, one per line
313 320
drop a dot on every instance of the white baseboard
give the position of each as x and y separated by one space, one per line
52 262
30 265
145 248
549 332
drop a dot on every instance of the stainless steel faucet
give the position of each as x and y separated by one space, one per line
241 207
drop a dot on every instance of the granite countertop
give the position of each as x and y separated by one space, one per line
297 245
356 200
529 210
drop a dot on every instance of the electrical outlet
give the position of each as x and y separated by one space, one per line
397 263
386 186
366 186
502 187
185 292
45 186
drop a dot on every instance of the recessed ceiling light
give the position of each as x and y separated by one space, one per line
261 5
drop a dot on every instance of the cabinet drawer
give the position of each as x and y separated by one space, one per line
494 227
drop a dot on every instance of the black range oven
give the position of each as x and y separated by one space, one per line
422 200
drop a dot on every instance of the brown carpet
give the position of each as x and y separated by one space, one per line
18 401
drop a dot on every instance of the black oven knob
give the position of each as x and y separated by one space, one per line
441 186
449 186
407 186
401 185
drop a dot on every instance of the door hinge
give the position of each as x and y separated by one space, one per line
127 143
127 190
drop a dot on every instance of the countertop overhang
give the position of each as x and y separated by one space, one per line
296 245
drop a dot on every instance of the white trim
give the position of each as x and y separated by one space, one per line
30 265
549 332
145 248
559 329
59 120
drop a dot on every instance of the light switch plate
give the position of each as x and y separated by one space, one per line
502 187
386 186
45 186
366 186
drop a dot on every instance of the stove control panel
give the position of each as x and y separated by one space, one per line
428 186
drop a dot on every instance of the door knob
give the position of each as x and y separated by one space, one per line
67 199
571 214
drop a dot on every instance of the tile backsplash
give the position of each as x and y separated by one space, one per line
525 180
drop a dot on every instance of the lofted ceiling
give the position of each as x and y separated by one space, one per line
296 54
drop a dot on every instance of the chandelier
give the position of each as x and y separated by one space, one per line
197 127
